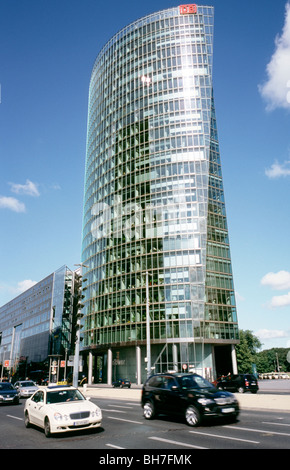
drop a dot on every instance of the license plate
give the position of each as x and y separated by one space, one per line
81 422
228 410
8 399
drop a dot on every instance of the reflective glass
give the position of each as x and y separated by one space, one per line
154 199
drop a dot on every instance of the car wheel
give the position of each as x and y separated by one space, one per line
192 416
47 431
149 410
241 390
26 420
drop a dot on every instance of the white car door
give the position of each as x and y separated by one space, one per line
35 408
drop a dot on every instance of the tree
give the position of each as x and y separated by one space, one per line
270 359
254 344
266 361
246 350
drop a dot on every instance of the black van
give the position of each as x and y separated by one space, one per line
238 383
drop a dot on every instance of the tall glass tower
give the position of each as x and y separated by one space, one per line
155 238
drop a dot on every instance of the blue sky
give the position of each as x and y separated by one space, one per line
47 50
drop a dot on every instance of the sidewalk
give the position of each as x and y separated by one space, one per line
246 400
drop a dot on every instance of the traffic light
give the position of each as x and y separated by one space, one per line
77 318
78 328
77 309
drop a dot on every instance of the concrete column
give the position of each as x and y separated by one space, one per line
234 359
138 365
109 366
90 367
214 372
175 357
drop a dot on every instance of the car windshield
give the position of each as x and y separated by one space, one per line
63 396
193 381
6 386
27 384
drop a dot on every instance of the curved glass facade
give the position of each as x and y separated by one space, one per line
154 199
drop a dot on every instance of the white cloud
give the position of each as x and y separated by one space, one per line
276 89
12 204
277 170
277 281
29 188
56 187
270 334
239 297
20 287
280 301
8 292
25 285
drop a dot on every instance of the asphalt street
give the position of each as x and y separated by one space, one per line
125 432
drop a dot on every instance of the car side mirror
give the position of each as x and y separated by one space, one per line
174 388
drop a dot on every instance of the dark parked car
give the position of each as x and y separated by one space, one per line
122 383
8 394
238 383
188 395
82 379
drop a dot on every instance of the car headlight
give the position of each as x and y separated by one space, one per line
205 401
58 416
96 413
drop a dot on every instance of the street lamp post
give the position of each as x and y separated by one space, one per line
148 345
77 341
3 358
76 358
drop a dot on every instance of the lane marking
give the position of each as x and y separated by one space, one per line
168 441
263 431
15 417
120 406
115 411
115 447
276 424
126 420
223 437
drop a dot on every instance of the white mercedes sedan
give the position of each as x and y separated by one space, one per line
59 409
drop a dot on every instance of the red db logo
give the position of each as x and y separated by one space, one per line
187 9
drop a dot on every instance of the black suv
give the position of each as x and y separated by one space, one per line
238 383
188 395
